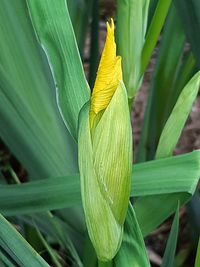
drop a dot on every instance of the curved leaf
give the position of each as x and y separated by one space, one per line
55 33
170 175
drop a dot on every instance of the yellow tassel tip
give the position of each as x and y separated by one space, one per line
108 75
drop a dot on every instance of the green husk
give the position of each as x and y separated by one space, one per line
105 173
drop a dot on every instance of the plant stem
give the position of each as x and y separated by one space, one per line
104 264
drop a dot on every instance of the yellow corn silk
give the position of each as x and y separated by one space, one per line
105 154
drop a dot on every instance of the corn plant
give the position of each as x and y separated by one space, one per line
76 142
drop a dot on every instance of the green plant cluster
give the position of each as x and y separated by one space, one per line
43 89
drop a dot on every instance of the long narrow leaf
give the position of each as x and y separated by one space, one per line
17 247
147 209
170 175
130 40
171 132
154 31
169 255
55 33
5 261
178 117
53 254
30 123
197 261
132 252
80 11
163 88
58 230
190 16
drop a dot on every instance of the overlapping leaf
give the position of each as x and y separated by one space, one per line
197 261
132 252
190 16
14 245
30 123
170 175
55 33
178 117
147 220
163 91
169 255
130 40
154 30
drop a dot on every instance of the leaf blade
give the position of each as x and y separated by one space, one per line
60 192
29 116
175 123
168 258
55 33
197 261
132 252
154 31
17 247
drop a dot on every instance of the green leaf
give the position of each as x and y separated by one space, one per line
5 261
152 8
17 248
197 261
178 117
154 31
182 256
53 254
189 12
132 252
170 175
55 33
147 209
169 255
130 40
163 91
30 122
80 11
171 133
105 264
60 231
89 257
184 74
